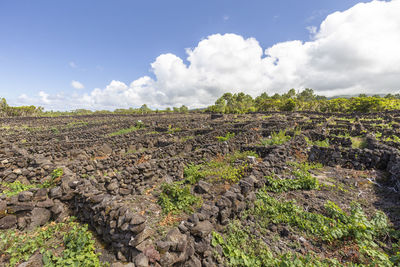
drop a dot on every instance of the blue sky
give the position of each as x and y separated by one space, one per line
45 45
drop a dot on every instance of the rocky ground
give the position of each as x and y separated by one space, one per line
299 189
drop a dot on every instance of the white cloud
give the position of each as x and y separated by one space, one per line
77 85
312 30
44 97
351 52
225 17
72 65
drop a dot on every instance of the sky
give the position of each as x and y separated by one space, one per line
103 54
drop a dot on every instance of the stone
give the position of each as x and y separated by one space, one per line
48 203
141 260
34 261
8 222
146 233
193 262
25 196
144 245
152 254
202 229
105 149
178 240
136 229
112 186
252 159
120 256
202 187
41 194
120 264
39 216
17 171
224 202
56 192
137 219
21 206
124 191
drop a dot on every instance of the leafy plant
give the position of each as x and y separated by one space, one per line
323 143
241 248
176 198
358 142
78 250
172 130
229 168
276 138
77 245
139 125
15 188
302 179
226 137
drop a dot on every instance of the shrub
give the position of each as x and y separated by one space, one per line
77 245
226 137
139 125
229 168
276 138
15 188
176 198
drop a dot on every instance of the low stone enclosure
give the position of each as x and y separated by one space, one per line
111 172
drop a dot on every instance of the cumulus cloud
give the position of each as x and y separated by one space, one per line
351 52
77 85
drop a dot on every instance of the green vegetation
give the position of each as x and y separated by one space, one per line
393 138
337 228
276 138
17 187
358 142
241 248
75 249
176 198
139 125
172 130
221 169
302 179
323 143
303 101
226 137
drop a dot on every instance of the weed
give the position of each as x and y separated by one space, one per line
176 198
15 188
358 142
323 143
139 125
240 247
172 130
220 169
78 245
226 137
393 138
276 138
302 179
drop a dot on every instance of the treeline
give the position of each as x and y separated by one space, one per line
23 111
144 109
8 111
305 100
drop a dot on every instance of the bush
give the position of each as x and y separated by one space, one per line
176 198
276 138
226 137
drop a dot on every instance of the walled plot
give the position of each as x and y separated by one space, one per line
201 190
